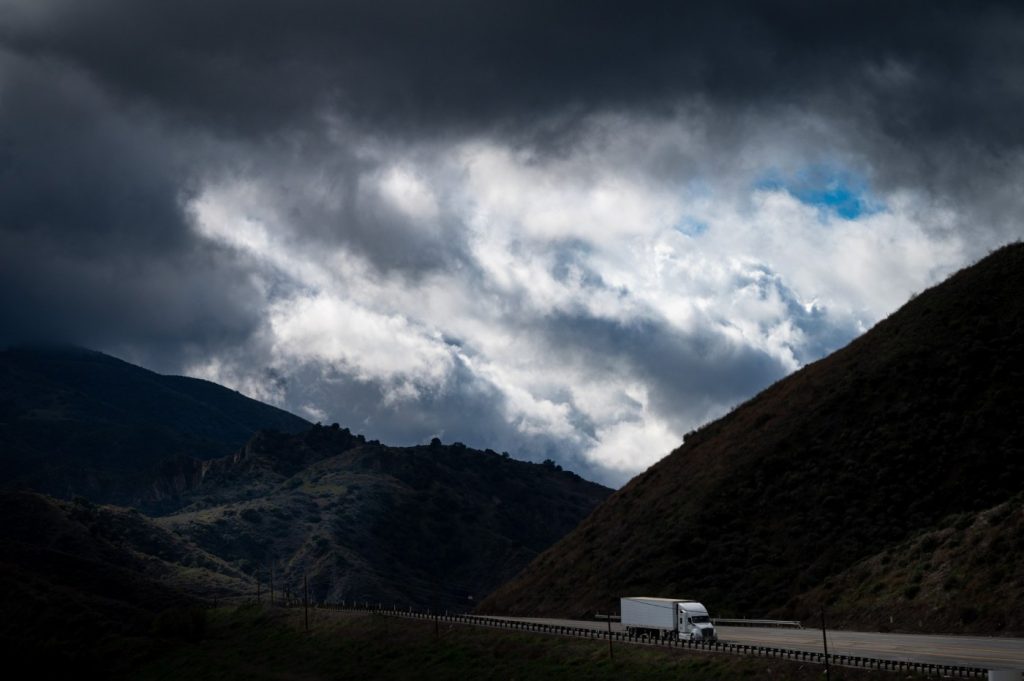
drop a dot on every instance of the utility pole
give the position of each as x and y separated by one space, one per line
271 584
611 654
437 610
434 610
305 599
259 593
824 641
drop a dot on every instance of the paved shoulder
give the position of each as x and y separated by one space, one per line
966 651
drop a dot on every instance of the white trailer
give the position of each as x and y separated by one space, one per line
666 617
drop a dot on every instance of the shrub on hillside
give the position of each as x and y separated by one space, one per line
186 624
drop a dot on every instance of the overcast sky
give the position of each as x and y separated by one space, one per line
573 230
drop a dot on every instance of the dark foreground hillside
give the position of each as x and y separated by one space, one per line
78 422
75 576
434 525
86 586
855 455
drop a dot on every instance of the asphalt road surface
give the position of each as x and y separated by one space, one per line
965 651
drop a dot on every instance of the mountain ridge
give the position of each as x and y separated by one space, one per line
79 422
364 520
358 518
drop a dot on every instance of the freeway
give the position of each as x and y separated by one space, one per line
967 651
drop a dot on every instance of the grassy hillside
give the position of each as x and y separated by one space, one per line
76 577
965 575
77 422
435 525
915 421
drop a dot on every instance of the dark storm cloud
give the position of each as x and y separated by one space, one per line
689 376
924 69
117 116
928 91
93 246
318 187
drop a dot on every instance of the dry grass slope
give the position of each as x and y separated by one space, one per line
947 577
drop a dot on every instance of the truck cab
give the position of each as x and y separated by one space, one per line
695 623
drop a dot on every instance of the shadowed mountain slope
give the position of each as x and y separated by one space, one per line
964 575
259 488
433 525
917 420
74 574
78 422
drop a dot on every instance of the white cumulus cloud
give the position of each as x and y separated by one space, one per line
593 304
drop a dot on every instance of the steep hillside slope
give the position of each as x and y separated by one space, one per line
965 575
74 574
430 525
918 419
77 422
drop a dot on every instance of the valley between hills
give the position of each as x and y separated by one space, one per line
883 483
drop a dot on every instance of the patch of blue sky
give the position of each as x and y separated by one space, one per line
690 226
831 189
699 188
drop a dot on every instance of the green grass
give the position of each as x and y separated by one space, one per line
258 643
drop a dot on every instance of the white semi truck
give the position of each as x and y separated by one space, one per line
667 617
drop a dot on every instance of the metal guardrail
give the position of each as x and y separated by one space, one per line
791 624
855 661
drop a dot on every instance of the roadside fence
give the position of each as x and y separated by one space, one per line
946 671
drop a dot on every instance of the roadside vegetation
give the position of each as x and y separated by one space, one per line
940 577
259 643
